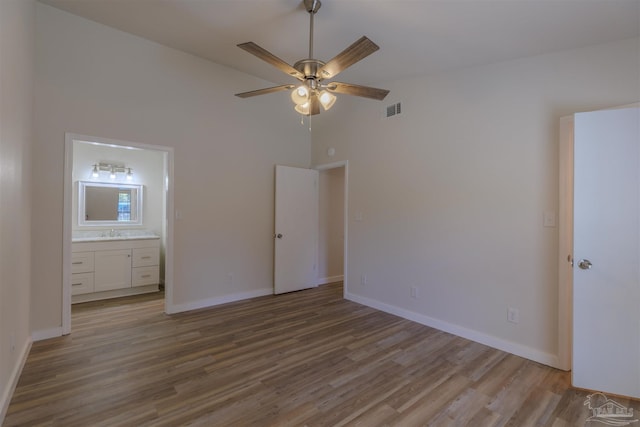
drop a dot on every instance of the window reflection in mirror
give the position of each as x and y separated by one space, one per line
108 204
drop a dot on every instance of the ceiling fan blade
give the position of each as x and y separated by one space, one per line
356 90
264 91
267 56
359 50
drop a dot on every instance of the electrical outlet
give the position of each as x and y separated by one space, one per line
513 315
363 279
414 292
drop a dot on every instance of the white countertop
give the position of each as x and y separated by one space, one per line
108 235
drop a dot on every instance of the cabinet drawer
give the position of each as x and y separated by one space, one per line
81 262
81 283
141 276
144 257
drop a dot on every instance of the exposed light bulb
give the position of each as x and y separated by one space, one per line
95 173
300 95
129 174
327 99
113 173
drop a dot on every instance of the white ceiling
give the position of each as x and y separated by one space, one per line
415 37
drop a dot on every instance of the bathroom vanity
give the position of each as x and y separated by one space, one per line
113 265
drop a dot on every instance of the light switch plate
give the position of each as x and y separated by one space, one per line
549 219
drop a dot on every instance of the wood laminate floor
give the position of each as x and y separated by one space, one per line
305 358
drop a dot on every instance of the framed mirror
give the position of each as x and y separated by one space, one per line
109 204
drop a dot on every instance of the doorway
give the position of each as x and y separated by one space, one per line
603 162
331 226
150 168
333 223
310 236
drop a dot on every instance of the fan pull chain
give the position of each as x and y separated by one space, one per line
302 121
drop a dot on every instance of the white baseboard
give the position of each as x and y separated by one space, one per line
10 386
45 334
470 334
331 279
211 302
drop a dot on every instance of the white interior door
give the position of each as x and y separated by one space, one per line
296 229
606 284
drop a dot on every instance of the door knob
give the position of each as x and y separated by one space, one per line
279 236
585 264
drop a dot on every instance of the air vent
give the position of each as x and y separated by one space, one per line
393 110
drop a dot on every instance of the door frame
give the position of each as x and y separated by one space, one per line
335 165
565 239
565 244
67 227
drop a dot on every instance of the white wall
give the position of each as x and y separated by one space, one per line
452 192
331 229
17 19
94 80
148 170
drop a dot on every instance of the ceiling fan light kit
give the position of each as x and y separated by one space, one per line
313 92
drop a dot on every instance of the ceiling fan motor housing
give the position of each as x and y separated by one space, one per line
310 67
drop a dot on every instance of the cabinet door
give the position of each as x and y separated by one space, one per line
112 270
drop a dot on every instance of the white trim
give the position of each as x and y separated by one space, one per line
461 331
67 228
565 243
168 224
212 302
332 279
45 334
10 386
67 223
345 267
334 165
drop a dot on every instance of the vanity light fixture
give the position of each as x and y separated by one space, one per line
112 169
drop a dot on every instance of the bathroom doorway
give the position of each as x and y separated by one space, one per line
118 228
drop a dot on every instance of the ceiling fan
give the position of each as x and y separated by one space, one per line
315 89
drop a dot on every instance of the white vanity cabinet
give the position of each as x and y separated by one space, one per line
114 268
